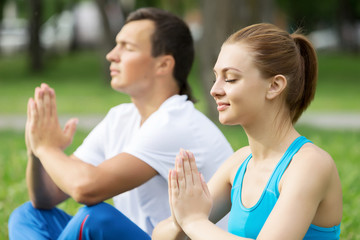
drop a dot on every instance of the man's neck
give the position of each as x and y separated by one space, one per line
147 106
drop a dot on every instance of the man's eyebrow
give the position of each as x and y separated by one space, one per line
124 42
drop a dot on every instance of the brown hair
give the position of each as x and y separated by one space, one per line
171 36
275 51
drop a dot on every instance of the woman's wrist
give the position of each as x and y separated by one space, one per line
188 226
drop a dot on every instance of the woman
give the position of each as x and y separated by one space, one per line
281 186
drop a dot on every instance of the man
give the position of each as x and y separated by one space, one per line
128 155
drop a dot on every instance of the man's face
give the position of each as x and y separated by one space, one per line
132 65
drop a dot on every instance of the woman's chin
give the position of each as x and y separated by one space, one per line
224 121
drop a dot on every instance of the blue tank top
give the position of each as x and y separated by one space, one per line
247 222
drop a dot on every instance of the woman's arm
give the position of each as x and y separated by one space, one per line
221 183
303 188
191 201
310 193
169 229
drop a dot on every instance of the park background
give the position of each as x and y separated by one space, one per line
63 43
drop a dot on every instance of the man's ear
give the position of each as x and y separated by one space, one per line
165 64
277 85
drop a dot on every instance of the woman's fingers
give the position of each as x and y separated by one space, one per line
204 185
180 175
187 169
194 169
174 184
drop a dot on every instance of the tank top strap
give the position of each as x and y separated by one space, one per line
285 161
237 183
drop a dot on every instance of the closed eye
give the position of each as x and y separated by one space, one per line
230 80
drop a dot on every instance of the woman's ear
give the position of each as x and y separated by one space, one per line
165 64
277 85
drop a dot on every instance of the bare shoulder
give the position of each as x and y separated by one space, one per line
238 157
313 157
312 177
228 169
236 160
311 167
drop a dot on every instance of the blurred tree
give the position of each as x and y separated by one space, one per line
309 13
37 10
112 16
109 35
35 49
342 15
348 15
178 7
220 19
2 5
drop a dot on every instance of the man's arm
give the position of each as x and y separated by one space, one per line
90 184
43 192
84 182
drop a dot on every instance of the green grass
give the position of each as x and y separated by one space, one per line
78 79
80 82
342 145
81 89
338 84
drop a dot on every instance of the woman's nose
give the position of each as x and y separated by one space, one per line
217 89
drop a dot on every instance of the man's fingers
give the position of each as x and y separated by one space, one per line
53 102
47 103
28 110
39 99
33 113
70 128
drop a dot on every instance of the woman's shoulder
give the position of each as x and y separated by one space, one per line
310 155
239 156
235 161
311 166
312 174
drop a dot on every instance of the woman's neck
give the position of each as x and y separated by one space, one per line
270 137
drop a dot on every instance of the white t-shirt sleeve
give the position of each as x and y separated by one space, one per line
92 148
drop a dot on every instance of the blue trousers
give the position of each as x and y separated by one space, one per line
100 221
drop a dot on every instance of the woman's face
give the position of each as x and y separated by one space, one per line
239 89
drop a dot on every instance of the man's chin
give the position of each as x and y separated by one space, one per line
116 85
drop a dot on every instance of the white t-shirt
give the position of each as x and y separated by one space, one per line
176 124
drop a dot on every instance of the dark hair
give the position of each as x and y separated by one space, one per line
171 36
275 51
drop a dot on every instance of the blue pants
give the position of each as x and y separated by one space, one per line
100 221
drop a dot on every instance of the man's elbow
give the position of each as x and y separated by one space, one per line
84 194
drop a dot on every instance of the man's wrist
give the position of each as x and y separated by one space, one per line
42 151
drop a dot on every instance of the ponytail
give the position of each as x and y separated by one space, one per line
308 73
